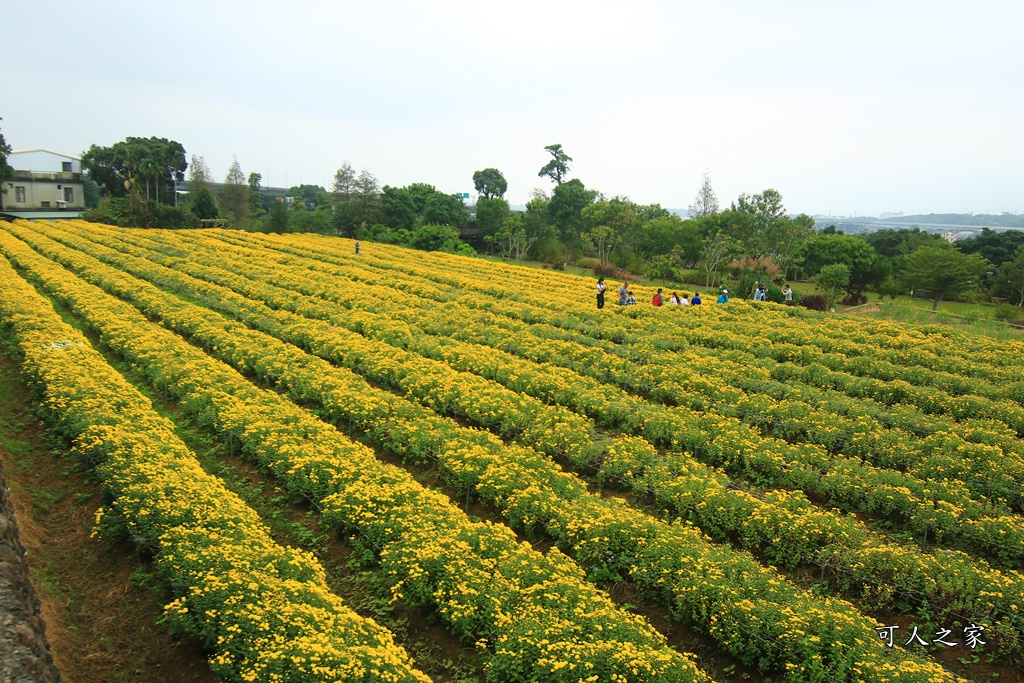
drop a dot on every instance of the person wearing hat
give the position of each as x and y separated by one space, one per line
723 298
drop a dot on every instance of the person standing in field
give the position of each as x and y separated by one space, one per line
683 301
357 246
723 298
675 299
600 293
787 292
656 301
623 293
696 299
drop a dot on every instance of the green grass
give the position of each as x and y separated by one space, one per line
910 311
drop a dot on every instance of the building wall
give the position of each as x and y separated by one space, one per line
43 194
43 181
44 162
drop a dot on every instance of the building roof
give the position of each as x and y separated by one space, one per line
44 151
39 215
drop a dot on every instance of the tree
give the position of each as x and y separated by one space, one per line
235 195
606 223
344 183
91 190
865 268
832 280
670 233
445 209
137 164
398 208
602 239
558 167
1012 272
6 171
198 175
312 197
717 249
277 218
943 269
995 247
786 239
514 238
706 202
566 207
436 238
364 206
759 216
490 183
491 214
203 205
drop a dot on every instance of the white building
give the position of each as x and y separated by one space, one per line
46 185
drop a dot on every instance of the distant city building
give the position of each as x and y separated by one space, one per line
950 235
45 186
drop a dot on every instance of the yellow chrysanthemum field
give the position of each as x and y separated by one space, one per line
814 498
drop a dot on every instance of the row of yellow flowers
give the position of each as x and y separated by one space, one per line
900 346
802 340
750 610
262 609
897 346
540 618
942 509
784 527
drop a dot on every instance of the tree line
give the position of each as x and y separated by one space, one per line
753 240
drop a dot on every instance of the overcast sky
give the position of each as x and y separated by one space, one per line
846 107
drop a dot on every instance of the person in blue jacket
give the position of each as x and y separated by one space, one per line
723 298
695 301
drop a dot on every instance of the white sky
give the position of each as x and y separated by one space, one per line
851 106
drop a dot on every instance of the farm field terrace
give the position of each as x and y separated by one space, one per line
549 487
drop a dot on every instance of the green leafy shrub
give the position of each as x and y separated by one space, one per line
815 302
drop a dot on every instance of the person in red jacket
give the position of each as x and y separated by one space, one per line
656 301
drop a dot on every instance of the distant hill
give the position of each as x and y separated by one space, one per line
1005 220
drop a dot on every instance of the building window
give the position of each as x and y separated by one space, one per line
66 166
19 194
45 205
69 195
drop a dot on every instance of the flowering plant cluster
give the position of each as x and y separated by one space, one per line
749 609
264 610
536 612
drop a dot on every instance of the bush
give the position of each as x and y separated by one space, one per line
549 250
1008 312
174 218
119 211
435 238
888 288
663 268
774 293
613 272
815 302
109 212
